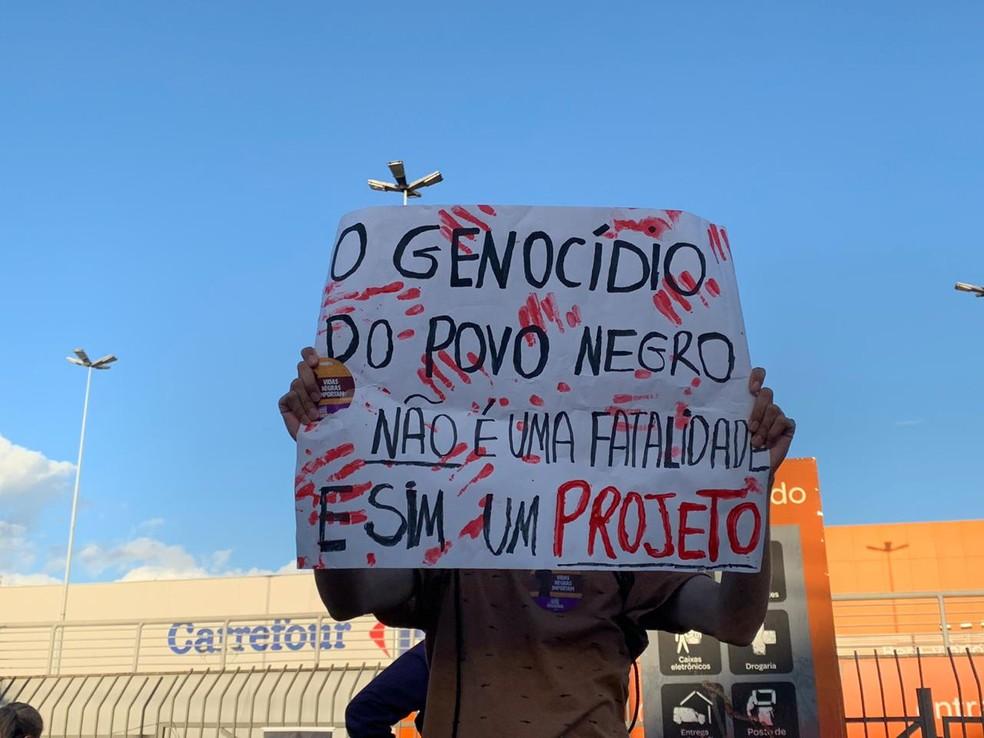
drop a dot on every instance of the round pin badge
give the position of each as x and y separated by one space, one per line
555 591
336 384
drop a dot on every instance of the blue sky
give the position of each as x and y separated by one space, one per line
171 175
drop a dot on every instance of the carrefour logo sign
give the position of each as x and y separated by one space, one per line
183 638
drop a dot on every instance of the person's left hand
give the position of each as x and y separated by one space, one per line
768 424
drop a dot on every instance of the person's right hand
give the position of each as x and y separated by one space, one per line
300 404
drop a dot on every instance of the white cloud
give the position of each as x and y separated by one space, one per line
139 553
28 481
291 568
27 580
16 552
138 559
220 559
149 558
150 573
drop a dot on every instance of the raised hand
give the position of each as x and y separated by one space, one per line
300 404
768 423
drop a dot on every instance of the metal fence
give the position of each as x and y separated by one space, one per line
930 621
194 704
904 704
912 664
194 677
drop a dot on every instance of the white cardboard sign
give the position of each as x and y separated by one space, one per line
531 388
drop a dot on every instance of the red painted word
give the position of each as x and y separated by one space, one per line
658 522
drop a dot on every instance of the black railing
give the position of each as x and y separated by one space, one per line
880 717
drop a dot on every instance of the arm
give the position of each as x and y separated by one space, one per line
399 690
347 593
734 610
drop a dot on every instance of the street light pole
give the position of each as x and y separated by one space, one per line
75 495
80 359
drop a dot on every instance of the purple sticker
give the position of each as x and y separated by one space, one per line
555 591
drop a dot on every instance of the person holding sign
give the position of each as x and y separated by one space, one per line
531 432
538 654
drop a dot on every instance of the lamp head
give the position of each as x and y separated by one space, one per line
377 184
104 362
431 179
399 172
972 288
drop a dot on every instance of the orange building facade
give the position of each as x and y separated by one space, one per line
906 557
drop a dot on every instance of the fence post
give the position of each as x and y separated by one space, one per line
225 642
927 718
136 646
943 623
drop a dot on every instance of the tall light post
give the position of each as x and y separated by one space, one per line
399 174
81 358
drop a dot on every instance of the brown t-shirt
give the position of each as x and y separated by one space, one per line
542 654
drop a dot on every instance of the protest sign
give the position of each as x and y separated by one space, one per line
531 388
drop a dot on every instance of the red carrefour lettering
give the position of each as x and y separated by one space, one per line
563 518
599 520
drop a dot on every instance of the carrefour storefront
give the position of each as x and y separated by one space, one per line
242 653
